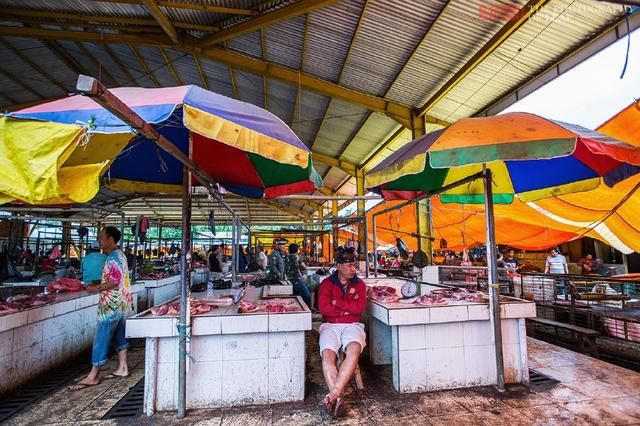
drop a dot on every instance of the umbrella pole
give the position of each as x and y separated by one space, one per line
494 297
185 278
375 246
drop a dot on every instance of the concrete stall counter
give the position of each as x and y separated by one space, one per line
37 339
238 359
446 347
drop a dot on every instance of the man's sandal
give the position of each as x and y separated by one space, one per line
340 408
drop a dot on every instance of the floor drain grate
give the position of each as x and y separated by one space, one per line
539 380
130 406
40 387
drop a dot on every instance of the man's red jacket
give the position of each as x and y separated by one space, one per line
350 300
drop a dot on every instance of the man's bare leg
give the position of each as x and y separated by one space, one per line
329 368
348 366
123 369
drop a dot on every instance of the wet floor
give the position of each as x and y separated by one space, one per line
589 392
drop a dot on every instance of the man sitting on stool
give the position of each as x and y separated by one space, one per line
342 299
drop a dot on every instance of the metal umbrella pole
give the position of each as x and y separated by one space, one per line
185 278
492 278
234 242
375 252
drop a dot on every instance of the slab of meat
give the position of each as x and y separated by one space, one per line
173 309
384 294
200 309
246 307
432 300
159 310
24 301
6 309
65 285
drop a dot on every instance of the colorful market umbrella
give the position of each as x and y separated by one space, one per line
245 148
530 156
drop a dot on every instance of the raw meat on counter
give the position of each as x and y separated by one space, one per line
246 307
281 305
383 293
65 285
24 301
155 276
432 300
200 308
196 306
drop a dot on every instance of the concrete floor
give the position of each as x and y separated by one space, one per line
590 392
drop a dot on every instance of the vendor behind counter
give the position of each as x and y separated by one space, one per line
91 265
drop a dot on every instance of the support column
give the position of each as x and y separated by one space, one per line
334 230
185 281
425 241
492 278
423 207
320 228
362 237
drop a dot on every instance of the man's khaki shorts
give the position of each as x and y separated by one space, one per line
336 335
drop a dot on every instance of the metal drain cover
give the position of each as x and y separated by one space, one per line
39 388
538 380
130 406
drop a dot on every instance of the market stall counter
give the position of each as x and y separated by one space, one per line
50 332
445 343
255 357
160 290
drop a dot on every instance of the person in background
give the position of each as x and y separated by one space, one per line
510 262
276 261
556 263
262 258
342 299
67 271
242 259
294 269
129 255
586 263
114 302
92 264
215 263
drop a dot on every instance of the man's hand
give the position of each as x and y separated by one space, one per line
92 288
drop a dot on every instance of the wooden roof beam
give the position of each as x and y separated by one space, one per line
170 66
142 62
346 166
162 20
193 6
398 112
66 57
67 16
125 70
284 13
401 113
203 77
34 65
503 34
101 69
390 140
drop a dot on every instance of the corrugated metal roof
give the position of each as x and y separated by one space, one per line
557 27
377 126
388 35
281 99
308 115
341 121
451 41
329 35
283 42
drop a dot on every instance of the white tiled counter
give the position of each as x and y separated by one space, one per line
446 347
199 275
37 339
160 291
239 359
